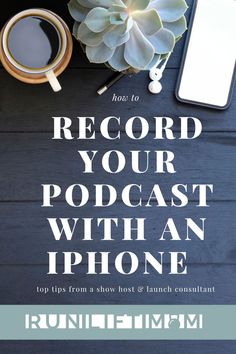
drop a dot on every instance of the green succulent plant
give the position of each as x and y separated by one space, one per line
128 34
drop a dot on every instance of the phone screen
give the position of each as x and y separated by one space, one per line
208 67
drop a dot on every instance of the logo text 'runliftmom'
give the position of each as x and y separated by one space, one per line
113 321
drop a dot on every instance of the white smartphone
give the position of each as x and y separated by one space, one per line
207 72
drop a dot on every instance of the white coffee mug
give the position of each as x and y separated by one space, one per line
48 72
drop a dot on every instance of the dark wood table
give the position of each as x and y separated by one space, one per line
29 157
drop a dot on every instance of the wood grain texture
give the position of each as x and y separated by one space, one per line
30 160
28 157
23 227
24 291
79 88
124 347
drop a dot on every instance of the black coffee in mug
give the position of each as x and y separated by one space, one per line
34 42
36 47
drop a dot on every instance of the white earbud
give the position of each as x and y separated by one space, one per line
155 87
155 74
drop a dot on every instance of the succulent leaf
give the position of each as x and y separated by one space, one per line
154 62
117 8
134 5
178 27
77 11
98 19
178 39
99 54
87 37
129 24
138 58
116 19
163 41
86 3
164 56
75 29
128 35
107 3
148 21
116 36
117 61
170 10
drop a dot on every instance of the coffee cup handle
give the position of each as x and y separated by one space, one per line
52 79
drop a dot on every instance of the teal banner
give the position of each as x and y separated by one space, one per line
117 322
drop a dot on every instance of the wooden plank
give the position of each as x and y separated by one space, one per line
24 227
22 172
79 98
30 160
79 59
19 286
139 347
